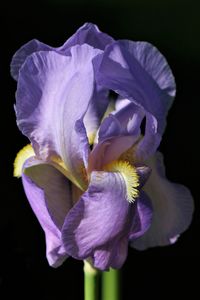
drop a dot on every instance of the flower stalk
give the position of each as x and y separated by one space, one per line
90 282
111 285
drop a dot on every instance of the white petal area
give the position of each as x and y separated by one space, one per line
172 208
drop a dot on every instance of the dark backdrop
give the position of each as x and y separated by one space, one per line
174 27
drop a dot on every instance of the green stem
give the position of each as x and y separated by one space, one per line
111 285
90 282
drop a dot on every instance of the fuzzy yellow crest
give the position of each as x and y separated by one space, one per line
21 157
129 175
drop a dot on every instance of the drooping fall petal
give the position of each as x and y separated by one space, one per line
172 208
49 194
100 222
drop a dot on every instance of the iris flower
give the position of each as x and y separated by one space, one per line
92 173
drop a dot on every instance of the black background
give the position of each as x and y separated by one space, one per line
172 26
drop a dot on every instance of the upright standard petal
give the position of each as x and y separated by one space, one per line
52 98
172 208
154 63
91 35
86 34
22 53
48 192
138 72
99 224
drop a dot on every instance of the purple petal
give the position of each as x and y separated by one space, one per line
49 86
154 63
139 73
172 208
112 255
91 35
125 121
148 145
99 221
143 173
118 132
49 195
110 127
87 34
23 52
142 217
108 151
130 117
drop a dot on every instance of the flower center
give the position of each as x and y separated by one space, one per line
121 166
129 174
